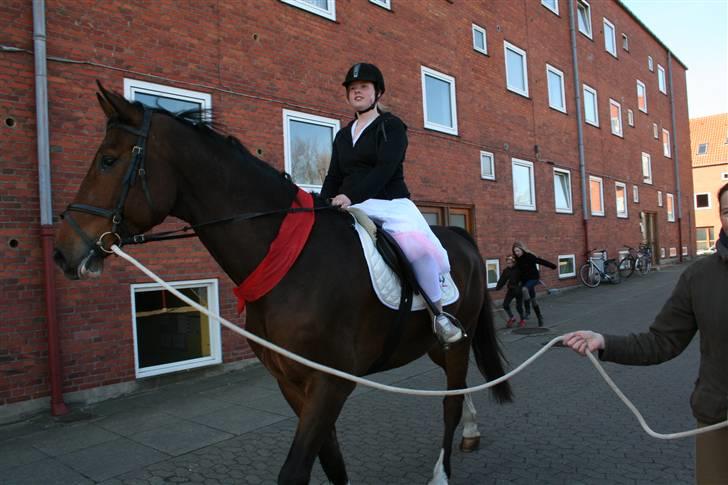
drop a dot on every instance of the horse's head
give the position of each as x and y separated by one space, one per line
128 188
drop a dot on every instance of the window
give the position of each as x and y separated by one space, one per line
704 238
702 149
625 42
447 215
524 193
480 40
174 100
621 194
492 271
584 17
487 166
557 98
438 99
596 195
383 3
610 38
307 143
724 176
661 84
684 250
552 5
170 335
659 198
630 118
666 143
646 168
655 131
673 252
591 112
670 207
702 201
615 116
567 266
324 8
562 191
641 96
516 69
635 194
650 64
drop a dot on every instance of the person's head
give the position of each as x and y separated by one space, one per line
519 249
723 207
364 85
510 260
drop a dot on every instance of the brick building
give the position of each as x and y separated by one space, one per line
497 145
709 152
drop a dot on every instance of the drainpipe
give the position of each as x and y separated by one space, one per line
675 158
579 124
58 407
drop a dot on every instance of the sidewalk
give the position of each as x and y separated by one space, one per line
236 427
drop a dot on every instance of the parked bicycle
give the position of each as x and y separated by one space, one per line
599 268
636 260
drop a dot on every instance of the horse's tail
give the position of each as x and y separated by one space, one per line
488 354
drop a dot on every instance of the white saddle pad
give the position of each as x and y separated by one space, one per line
386 282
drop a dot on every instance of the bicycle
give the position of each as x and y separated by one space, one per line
644 259
591 274
636 260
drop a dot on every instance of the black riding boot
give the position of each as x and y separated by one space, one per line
537 309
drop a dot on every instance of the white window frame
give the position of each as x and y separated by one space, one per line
572 257
587 8
532 183
650 64
329 13
556 6
524 64
481 30
607 24
617 186
635 194
133 86
670 200
601 213
488 262
596 105
662 252
620 132
625 42
646 177
655 131
710 201
289 115
661 79
487 158
659 198
215 356
386 4
644 90
560 74
684 250
452 130
630 118
666 147
570 209
724 175
673 252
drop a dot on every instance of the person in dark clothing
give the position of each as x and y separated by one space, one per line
512 277
366 172
526 262
698 305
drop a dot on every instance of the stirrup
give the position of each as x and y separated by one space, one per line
453 321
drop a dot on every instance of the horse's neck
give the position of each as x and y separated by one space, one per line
219 183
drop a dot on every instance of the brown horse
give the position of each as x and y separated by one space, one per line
152 164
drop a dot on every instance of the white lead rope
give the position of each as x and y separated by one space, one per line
403 390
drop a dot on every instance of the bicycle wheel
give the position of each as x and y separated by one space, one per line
612 271
589 275
627 266
644 265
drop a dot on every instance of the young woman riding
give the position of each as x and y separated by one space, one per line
366 172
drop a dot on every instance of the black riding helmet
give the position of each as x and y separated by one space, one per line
366 72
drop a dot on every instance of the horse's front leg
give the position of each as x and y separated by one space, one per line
324 399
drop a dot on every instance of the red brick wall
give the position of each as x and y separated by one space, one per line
257 58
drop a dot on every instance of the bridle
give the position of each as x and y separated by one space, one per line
116 215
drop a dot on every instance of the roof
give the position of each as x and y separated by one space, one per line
712 130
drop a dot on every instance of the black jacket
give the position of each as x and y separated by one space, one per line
372 169
527 266
512 276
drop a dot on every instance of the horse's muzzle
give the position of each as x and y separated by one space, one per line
91 266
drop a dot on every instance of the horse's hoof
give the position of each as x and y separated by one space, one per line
468 445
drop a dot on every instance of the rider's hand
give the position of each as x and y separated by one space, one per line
341 200
584 340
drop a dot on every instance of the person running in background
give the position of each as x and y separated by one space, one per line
512 278
526 262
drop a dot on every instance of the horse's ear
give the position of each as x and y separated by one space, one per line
106 106
115 104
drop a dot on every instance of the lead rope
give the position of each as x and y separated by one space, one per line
403 390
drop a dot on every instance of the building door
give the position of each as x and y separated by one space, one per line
648 226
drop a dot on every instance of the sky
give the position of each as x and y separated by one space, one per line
696 32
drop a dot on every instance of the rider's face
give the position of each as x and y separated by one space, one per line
360 94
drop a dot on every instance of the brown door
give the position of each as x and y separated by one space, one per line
648 226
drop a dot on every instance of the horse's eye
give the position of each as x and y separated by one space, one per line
107 161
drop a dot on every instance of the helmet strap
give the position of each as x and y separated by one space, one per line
372 106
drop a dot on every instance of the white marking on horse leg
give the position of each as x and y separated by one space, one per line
470 421
438 473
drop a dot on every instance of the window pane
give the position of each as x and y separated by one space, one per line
522 185
566 266
514 64
641 97
457 220
702 200
438 101
562 191
432 218
492 270
324 4
555 95
486 165
478 40
590 106
584 18
595 193
621 200
609 41
310 152
170 104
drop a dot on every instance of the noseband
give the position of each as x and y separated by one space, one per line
116 215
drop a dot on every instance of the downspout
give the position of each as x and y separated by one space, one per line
58 407
579 125
675 157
